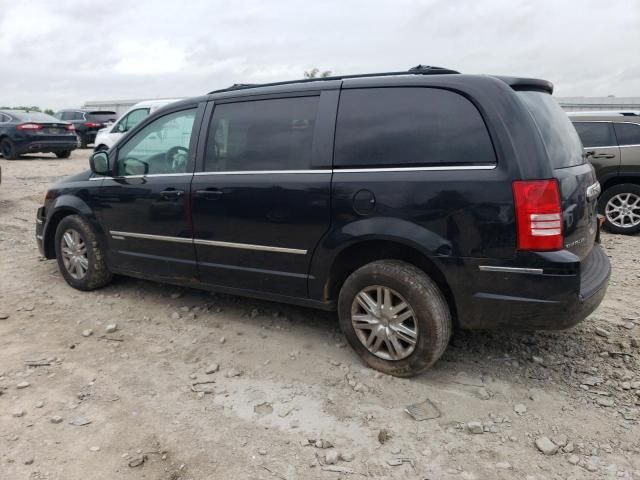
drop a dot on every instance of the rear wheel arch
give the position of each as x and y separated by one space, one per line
619 180
364 252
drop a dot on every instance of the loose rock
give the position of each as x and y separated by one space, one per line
475 427
111 328
520 409
332 457
87 333
213 368
546 446
22 385
601 332
56 419
17 412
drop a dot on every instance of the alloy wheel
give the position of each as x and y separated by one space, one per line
384 322
74 254
623 210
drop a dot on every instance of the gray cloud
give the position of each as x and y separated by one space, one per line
61 53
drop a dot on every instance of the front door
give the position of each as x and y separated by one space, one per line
144 206
261 197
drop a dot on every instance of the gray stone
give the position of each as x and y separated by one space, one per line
332 457
520 409
262 451
87 333
94 449
111 328
56 419
635 343
475 427
175 296
17 412
22 385
573 459
503 465
629 325
4 316
605 402
601 332
569 447
537 359
232 372
223 339
347 456
175 316
592 381
213 368
40 404
483 394
546 446
29 461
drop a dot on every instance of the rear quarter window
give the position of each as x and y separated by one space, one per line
627 133
560 138
406 127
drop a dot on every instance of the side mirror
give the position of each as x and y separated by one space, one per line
99 163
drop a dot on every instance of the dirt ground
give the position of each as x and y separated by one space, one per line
290 400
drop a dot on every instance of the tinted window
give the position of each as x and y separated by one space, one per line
262 135
387 127
4 118
160 147
132 119
595 134
560 138
77 116
101 116
628 133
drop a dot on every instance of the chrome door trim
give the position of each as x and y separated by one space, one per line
152 175
117 235
491 268
415 169
263 172
249 246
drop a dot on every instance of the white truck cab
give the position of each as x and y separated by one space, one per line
107 137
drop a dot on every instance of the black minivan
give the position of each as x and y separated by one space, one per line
411 202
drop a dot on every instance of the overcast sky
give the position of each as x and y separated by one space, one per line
60 53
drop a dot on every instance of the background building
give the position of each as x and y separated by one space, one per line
577 104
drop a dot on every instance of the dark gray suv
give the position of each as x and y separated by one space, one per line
612 143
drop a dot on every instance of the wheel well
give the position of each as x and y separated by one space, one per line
358 255
49 240
619 181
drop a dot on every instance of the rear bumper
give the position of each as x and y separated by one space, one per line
555 294
34 146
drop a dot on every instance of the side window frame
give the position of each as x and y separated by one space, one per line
612 133
637 144
322 143
199 108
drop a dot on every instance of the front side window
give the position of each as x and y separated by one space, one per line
159 148
595 134
274 134
405 127
132 119
627 133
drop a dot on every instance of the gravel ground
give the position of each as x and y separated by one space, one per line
193 385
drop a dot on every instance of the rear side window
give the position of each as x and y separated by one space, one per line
391 127
101 116
595 134
272 134
628 133
560 138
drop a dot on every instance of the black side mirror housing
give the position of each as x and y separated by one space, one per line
99 163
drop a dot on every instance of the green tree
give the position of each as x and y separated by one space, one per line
48 111
316 73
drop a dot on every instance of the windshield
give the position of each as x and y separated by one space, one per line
558 134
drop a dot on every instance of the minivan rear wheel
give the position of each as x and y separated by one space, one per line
395 317
80 257
620 206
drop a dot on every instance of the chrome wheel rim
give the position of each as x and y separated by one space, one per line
74 254
384 322
623 210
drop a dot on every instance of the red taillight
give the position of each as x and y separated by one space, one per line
538 214
71 128
29 126
92 124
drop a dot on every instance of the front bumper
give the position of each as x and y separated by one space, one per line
557 295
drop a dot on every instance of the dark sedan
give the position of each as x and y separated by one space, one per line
34 132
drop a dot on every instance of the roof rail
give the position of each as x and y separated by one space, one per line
417 70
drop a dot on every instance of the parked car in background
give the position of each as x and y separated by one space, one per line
87 122
107 137
34 132
399 199
611 141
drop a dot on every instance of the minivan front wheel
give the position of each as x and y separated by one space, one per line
80 258
395 317
620 206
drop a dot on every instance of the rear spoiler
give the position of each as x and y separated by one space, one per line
519 83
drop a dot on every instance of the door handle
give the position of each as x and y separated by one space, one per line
209 193
602 155
171 194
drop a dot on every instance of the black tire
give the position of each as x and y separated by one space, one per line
97 275
8 149
65 154
432 315
608 197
